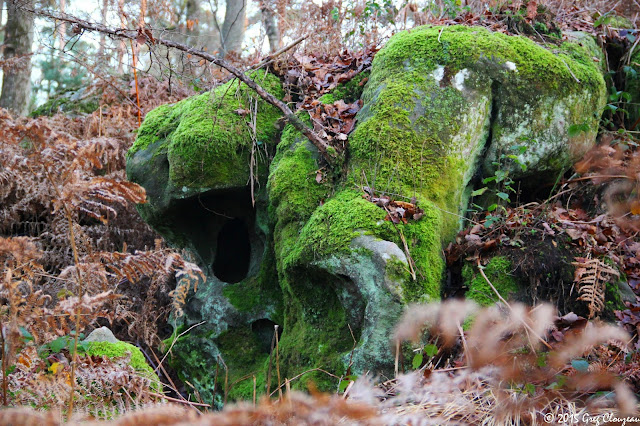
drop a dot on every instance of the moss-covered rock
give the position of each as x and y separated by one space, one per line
323 264
203 143
71 102
436 100
503 90
195 159
122 349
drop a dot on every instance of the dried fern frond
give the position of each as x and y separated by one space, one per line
133 267
86 304
592 276
189 275
104 388
17 250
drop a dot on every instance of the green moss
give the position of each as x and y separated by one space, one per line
498 270
315 336
333 226
349 92
206 138
293 190
242 353
458 47
612 298
415 160
121 349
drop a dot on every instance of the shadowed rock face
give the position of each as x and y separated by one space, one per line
314 260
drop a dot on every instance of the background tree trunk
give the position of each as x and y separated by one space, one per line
62 29
103 21
269 22
194 21
233 26
16 82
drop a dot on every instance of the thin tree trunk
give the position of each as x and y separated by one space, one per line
62 29
16 82
143 13
270 27
233 26
103 21
193 15
122 47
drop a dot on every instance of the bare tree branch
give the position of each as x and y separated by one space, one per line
135 35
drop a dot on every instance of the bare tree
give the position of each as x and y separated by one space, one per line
16 82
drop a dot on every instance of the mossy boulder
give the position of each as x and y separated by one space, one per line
440 104
71 102
197 159
469 82
306 252
121 349
102 342
533 269
203 143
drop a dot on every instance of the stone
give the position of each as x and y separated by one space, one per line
102 334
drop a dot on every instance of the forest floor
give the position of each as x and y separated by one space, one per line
77 256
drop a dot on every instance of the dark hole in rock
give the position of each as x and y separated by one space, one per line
233 252
264 329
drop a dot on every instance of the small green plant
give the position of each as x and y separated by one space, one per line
430 350
615 112
61 343
501 183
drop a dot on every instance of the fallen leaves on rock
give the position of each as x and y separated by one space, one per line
397 211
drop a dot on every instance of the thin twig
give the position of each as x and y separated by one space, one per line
269 58
177 337
168 398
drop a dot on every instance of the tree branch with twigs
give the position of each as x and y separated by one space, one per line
145 36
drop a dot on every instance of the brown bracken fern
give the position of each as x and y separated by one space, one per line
592 276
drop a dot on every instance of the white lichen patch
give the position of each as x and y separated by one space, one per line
460 77
438 73
511 66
